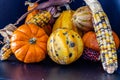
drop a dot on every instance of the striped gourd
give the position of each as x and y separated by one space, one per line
41 19
104 36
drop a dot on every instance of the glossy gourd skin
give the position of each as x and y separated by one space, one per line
29 43
64 22
90 40
64 46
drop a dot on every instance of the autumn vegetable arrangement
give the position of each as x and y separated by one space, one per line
63 35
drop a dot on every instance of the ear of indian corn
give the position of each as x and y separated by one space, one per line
5 52
104 36
6 33
40 19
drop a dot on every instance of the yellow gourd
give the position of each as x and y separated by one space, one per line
64 22
64 46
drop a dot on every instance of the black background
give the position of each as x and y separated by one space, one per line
11 10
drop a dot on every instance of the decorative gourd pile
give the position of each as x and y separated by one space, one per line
71 35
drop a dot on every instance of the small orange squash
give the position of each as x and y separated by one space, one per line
29 43
90 40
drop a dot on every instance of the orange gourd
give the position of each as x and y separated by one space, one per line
90 40
29 43
116 39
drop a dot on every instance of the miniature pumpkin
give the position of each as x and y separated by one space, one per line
90 40
64 22
29 43
82 18
30 7
64 46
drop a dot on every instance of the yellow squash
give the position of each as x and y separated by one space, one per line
64 46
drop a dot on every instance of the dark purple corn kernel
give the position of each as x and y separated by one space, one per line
91 55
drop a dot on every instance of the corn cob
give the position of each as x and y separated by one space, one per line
41 19
6 32
5 52
104 36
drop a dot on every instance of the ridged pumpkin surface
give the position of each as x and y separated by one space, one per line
64 46
29 43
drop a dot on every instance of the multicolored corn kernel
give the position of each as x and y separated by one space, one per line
41 19
104 35
90 55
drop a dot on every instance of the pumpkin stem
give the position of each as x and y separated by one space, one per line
32 40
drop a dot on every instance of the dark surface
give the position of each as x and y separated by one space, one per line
11 10
48 70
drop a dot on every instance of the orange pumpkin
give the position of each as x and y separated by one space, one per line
116 39
30 7
90 40
29 43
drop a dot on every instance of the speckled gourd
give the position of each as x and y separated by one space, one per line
64 46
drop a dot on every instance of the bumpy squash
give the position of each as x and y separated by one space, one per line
64 22
29 43
64 46
90 40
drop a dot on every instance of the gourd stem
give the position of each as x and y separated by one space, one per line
32 40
